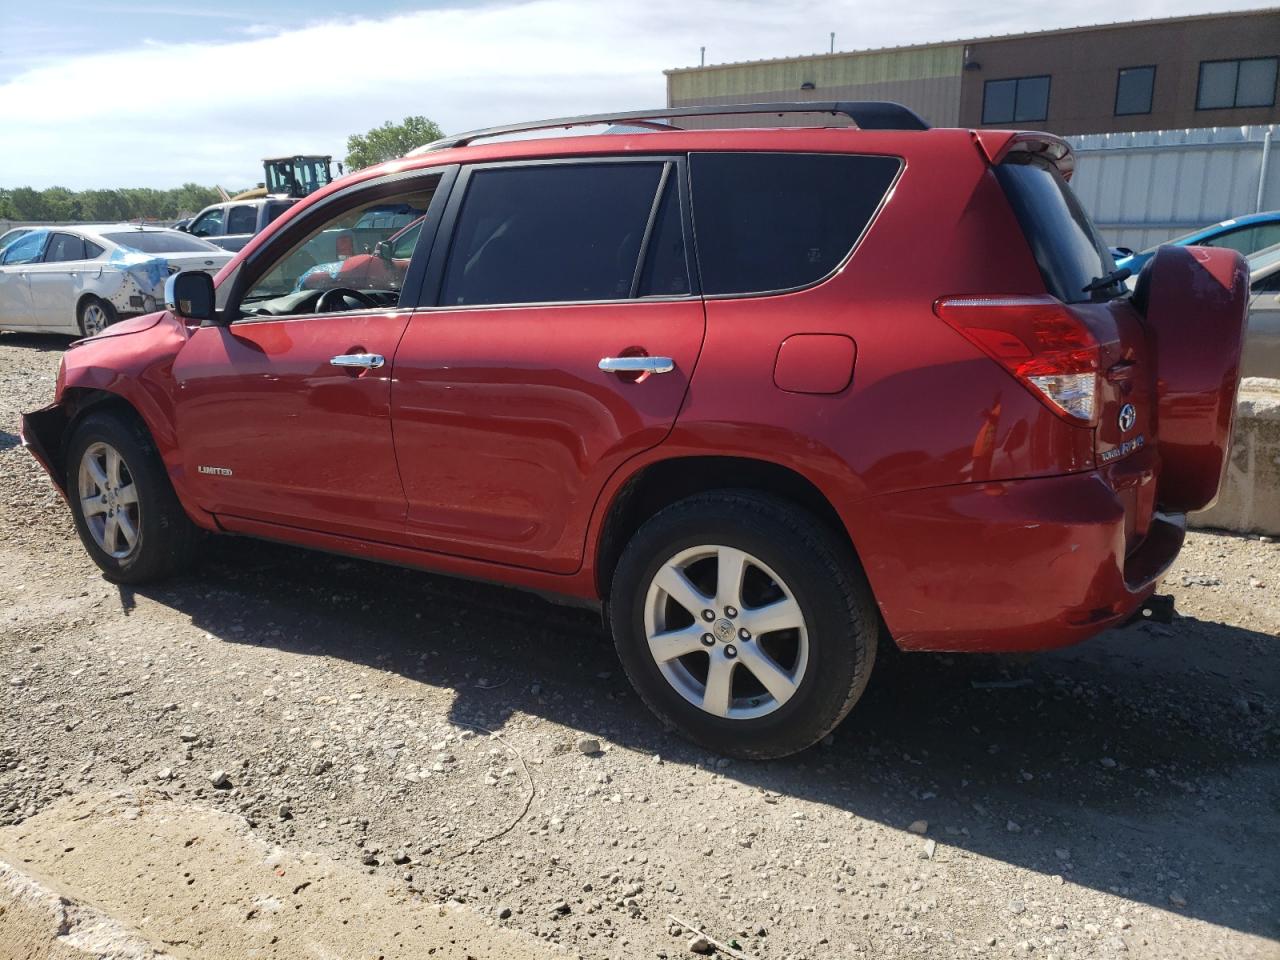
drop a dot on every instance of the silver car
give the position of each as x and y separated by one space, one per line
81 279
1262 339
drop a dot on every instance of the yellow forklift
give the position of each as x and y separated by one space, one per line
295 176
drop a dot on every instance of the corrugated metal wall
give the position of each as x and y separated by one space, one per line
927 79
1144 188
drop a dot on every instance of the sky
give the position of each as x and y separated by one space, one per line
112 93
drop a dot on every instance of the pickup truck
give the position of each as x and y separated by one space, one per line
233 224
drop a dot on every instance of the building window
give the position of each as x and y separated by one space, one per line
1237 83
1015 101
1134 86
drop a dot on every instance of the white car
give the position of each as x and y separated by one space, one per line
81 279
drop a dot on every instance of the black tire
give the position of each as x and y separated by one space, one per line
165 538
83 315
818 569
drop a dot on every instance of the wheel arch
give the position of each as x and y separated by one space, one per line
53 426
663 482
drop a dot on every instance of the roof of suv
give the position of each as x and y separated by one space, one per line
879 126
866 114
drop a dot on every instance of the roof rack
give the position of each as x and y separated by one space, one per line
867 114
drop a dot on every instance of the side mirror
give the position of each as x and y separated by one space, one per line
190 295
382 250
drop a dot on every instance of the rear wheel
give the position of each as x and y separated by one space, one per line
743 622
125 510
95 316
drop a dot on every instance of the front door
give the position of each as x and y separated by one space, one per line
56 281
15 289
506 425
283 416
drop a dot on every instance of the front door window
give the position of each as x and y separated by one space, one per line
342 264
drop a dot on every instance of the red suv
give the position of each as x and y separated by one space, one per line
762 395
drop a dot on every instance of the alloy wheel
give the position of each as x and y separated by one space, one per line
109 500
95 319
726 632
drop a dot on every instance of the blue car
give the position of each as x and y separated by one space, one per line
1247 234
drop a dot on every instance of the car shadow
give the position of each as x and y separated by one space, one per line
42 342
1143 763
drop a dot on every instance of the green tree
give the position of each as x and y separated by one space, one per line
389 141
28 204
191 198
104 206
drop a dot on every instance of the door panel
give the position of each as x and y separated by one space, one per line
53 290
15 297
57 281
506 429
272 430
15 289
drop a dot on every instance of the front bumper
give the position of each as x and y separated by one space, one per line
41 433
1017 565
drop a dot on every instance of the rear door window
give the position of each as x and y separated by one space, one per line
665 272
64 248
766 222
242 219
545 233
275 209
1067 247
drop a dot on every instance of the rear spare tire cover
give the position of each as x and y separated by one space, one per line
1195 301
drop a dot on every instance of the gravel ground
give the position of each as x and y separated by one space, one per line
1121 797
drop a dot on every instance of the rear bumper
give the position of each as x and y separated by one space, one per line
1018 565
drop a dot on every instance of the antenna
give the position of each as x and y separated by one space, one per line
833 41
702 56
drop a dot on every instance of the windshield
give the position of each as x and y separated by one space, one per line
12 235
161 241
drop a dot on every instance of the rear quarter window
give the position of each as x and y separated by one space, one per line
766 222
1067 248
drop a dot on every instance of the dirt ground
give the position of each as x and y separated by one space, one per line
1118 798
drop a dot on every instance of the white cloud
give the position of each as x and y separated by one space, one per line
162 115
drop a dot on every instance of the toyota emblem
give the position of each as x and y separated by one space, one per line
1128 417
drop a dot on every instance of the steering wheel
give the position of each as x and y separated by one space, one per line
345 293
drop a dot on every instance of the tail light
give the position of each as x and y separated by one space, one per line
1038 340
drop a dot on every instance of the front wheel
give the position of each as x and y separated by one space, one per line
125 510
743 622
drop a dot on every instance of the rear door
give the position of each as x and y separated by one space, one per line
506 425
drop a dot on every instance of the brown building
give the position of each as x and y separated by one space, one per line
1201 71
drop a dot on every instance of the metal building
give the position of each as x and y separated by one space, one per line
1213 70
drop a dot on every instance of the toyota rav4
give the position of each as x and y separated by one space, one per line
764 396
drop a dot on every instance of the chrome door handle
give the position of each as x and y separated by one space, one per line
637 364
367 361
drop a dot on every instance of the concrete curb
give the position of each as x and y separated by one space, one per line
38 923
138 876
1250 497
